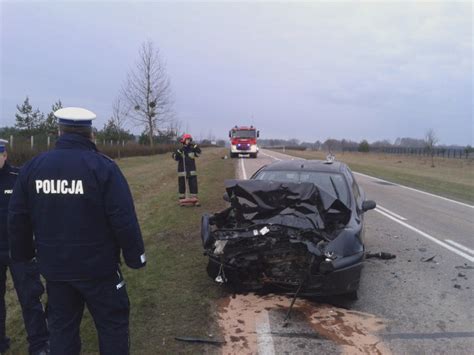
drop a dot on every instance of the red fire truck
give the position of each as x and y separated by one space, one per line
243 141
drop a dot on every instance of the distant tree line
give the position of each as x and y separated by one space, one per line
339 145
403 145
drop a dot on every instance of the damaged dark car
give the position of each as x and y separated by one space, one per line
295 225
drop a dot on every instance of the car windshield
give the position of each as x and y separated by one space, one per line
331 182
245 133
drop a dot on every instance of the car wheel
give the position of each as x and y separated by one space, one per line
205 231
212 269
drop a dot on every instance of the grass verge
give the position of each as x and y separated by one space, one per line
173 295
453 178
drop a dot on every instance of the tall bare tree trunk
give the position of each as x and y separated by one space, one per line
148 91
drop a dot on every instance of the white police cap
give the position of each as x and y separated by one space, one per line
74 116
3 143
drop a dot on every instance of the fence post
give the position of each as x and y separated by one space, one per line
11 142
32 139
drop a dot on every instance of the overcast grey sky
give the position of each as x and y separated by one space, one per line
310 71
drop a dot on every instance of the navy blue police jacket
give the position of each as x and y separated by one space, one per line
8 175
79 207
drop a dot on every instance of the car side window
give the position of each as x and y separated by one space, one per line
355 187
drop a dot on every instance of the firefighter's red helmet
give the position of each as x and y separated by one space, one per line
186 136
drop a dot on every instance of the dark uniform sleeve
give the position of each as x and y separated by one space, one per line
122 218
20 230
177 155
196 150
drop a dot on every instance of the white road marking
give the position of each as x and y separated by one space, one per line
391 213
270 156
460 246
427 236
264 339
420 191
242 168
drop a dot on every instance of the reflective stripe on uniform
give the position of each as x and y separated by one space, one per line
191 155
193 173
181 173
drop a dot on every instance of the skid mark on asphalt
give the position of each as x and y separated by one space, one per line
244 323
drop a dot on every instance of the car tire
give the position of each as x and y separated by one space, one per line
212 269
205 231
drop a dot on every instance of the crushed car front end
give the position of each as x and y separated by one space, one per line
284 235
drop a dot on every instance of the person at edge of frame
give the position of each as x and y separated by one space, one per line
78 205
25 274
186 157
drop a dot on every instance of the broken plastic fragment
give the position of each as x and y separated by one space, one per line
264 230
220 245
255 232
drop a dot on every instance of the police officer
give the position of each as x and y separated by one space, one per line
25 275
79 207
185 156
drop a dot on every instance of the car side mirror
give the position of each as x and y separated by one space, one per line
230 135
258 134
368 205
226 197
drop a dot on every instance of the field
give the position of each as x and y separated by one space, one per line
172 296
453 178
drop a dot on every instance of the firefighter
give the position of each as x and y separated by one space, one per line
78 205
25 275
186 158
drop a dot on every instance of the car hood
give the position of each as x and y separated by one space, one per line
295 205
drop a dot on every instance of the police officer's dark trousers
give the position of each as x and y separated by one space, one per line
108 303
29 289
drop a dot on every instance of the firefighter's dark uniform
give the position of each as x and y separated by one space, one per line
79 207
25 276
186 158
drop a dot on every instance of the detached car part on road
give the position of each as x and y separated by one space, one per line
294 224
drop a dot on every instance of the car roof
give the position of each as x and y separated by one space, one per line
308 165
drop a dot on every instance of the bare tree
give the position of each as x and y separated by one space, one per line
430 142
119 119
330 144
148 91
120 114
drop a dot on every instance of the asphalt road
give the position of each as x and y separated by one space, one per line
424 297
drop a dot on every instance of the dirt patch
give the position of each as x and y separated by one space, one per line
354 331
